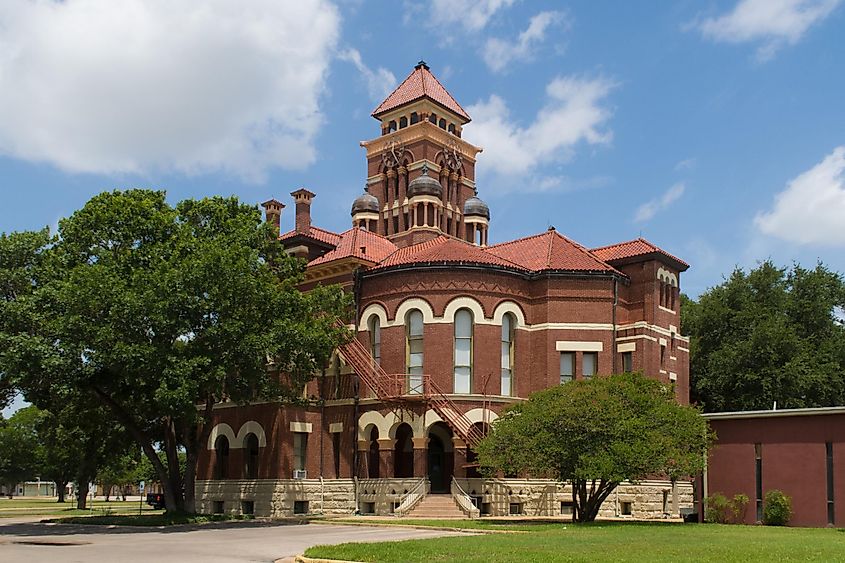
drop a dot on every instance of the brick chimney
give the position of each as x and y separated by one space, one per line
303 198
273 212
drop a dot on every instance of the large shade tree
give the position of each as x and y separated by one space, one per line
596 434
769 335
158 313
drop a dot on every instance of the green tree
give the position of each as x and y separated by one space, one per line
768 335
596 434
159 312
20 451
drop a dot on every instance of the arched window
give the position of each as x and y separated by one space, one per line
414 351
415 117
403 122
452 128
433 118
442 123
374 327
391 127
463 351
221 458
508 324
251 456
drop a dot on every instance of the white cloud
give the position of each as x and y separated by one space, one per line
686 164
499 53
649 209
812 207
471 15
144 85
772 22
380 82
575 112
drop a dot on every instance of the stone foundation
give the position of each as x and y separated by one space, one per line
495 497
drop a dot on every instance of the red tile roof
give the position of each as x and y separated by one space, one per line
445 250
358 243
419 84
316 233
550 251
633 248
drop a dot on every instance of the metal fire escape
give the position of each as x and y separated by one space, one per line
395 389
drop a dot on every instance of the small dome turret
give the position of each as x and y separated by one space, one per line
364 203
475 207
425 185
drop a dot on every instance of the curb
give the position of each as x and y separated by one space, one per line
470 531
303 559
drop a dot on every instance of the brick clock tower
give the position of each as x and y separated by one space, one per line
420 172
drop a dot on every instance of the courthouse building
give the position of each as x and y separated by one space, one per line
450 330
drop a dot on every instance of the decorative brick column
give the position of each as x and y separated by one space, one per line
363 459
420 457
385 457
459 448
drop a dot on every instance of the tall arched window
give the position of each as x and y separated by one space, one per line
433 118
221 458
391 127
463 351
415 117
375 337
251 456
403 122
508 324
442 123
414 351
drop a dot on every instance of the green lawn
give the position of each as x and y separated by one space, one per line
49 507
604 541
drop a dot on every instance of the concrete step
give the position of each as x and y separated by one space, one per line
437 506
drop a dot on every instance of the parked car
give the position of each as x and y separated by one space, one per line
156 500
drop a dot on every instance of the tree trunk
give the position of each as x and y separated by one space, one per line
82 495
60 490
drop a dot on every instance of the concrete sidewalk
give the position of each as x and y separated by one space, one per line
218 542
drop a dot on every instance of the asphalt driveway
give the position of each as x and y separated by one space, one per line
32 542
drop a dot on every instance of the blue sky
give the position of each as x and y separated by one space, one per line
713 129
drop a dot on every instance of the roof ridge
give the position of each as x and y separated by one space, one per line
625 242
518 239
427 72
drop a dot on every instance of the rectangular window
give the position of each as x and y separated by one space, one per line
248 507
217 507
463 351
300 507
627 362
626 508
758 479
507 355
300 443
662 356
567 367
590 364
829 467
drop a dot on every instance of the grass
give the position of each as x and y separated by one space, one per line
10 508
606 541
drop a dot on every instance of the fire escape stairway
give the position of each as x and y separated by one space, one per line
394 388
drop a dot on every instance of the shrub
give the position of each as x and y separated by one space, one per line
777 508
720 509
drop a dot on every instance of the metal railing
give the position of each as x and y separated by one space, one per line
463 500
409 500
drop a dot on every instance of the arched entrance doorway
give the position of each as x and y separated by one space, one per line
372 455
403 455
441 458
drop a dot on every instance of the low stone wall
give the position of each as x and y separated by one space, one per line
540 497
495 497
276 497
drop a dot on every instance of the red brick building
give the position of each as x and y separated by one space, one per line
450 328
798 451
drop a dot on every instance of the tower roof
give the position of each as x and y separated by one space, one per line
421 83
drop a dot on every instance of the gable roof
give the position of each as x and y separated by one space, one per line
358 243
421 83
445 250
316 233
550 251
636 248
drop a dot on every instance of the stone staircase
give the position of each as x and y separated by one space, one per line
436 506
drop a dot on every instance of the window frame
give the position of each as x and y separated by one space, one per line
595 363
374 328
415 373
570 376
455 366
300 452
510 319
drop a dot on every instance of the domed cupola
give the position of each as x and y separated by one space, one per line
475 207
477 220
425 185
365 202
365 211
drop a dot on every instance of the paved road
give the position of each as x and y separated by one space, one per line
31 542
